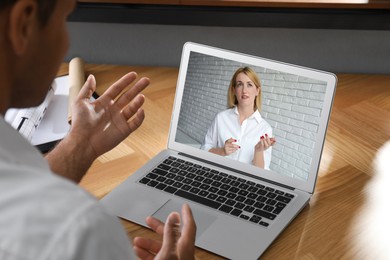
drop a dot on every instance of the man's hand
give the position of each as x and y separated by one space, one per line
98 126
107 121
176 244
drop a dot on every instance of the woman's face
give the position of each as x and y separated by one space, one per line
245 90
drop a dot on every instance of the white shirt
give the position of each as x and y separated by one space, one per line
44 216
227 125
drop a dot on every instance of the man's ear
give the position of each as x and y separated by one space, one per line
23 22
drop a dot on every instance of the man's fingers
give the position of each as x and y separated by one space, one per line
171 235
116 88
137 120
148 244
131 109
189 225
143 254
129 95
88 88
155 224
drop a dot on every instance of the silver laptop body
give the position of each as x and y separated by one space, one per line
296 103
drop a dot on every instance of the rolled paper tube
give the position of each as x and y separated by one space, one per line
76 81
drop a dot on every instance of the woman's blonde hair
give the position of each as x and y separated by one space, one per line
250 73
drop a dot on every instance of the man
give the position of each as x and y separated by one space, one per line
43 213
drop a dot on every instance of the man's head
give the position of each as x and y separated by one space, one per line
45 8
33 43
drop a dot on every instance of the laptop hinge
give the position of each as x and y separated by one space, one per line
238 171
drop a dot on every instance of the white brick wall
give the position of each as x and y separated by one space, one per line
291 105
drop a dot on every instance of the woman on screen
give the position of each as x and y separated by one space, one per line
240 132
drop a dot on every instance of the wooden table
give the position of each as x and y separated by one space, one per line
348 216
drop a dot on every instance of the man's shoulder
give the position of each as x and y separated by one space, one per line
51 213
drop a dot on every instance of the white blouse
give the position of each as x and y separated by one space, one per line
227 125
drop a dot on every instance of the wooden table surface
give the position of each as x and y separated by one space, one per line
348 216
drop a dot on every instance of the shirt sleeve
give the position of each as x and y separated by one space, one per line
211 138
91 234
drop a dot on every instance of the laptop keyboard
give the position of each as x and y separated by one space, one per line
238 197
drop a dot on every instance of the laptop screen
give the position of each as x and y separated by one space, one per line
289 113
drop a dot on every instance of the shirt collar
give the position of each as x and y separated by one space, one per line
256 115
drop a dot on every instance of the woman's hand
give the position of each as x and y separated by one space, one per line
177 244
264 143
230 147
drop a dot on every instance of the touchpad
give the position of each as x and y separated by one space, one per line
203 218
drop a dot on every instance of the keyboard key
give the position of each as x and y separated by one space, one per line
268 208
283 199
212 196
243 192
204 186
271 195
249 202
222 192
288 195
239 205
152 183
264 214
216 183
186 187
144 180
253 189
151 176
170 189
259 205
161 186
244 216
177 184
234 189
240 198
265 224
260 186
196 183
221 199
230 202
213 190
225 208
160 172
249 209
236 212
279 192
161 179
252 196
199 199
255 219
164 167
271 202
187 181
231 195
203 193
194 190
169 182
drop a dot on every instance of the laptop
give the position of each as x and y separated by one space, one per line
239 208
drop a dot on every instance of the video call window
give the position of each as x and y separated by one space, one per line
291 105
